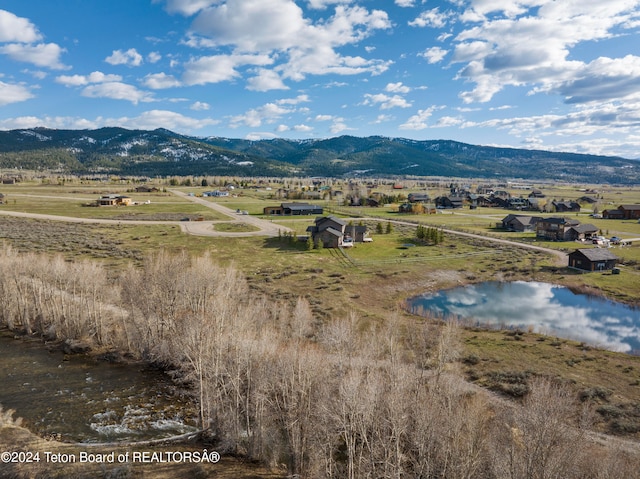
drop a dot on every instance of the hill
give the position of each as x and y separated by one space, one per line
162 152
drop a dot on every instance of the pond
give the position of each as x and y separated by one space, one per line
78 399
545 308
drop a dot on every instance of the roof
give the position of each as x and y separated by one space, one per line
331 218
587 228
300 206
562 221
596 254
629 207
334 232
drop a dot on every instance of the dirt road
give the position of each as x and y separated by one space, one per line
264 227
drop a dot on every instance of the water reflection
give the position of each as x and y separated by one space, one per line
546 308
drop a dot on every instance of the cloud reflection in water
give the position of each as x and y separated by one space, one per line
545 307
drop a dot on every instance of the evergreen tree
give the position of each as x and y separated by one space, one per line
389 229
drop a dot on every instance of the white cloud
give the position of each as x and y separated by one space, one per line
81 80
218 68
434 54
43 54
386 102
419 120
279 29
266 80
431 18
154 57
259 135
302 128
604 79
131 58
338 126
159 81
49 122
187 7
405 3
382 119
39 74
17 29
117 91
448 121
200 106
397 88
253 25
320 4
13 93
294 101
255 117
149 120
533 47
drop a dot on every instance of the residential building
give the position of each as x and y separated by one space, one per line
114 200
334 232
293 209
418 197
623 212
556 229
520 223
593 259
449 201
566 206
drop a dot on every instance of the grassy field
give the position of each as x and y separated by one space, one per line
372 279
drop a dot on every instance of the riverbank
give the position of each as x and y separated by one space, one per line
26 455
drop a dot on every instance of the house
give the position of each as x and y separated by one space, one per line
582 232
518 203
520 223
418 197
592 259
114 200
449 202
147 189
566 206
624 212
334 232
293 209
556 229
616 214
216 193
536 194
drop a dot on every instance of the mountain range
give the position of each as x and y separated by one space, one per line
163 153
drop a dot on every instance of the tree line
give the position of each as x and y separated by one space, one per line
323 399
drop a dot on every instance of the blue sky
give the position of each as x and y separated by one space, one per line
548 74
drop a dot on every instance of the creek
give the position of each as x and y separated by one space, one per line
542 307
79 399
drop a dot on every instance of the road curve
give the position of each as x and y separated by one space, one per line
265 227
197 228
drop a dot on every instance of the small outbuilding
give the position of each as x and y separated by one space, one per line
593 259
